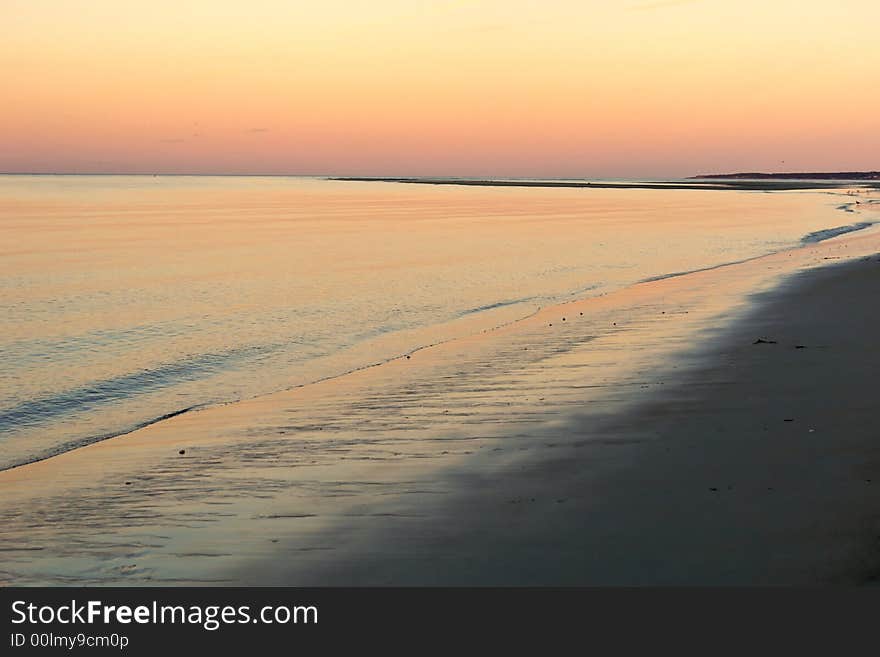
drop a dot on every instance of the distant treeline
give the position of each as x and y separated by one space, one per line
839 175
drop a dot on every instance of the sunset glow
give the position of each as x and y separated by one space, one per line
504 88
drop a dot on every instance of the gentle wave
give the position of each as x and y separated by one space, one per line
496 305
828 233
810 238
89 397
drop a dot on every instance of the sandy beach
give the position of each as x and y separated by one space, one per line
709 428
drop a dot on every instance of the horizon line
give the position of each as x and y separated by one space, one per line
338 176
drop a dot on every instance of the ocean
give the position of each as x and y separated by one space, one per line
126 299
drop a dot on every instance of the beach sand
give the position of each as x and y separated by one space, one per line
643 439
759 467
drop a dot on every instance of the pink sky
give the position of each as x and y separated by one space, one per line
514 88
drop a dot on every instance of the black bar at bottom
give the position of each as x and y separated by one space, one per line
135 621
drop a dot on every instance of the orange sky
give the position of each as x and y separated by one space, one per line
500 87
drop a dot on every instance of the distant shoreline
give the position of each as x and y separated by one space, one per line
839 175
752 180
734 184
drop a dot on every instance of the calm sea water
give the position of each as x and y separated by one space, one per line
127 298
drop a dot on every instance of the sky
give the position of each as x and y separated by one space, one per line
566 88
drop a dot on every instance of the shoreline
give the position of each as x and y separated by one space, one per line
305 478
806 240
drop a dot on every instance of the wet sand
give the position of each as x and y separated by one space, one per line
760 466
635 438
